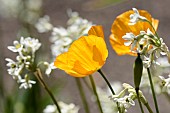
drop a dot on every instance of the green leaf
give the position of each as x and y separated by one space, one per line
138 69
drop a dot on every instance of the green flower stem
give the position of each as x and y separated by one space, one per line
87 84
148 107
153 92
110 87
82 94
141 108
95 92
44 85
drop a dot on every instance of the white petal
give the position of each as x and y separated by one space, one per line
127 43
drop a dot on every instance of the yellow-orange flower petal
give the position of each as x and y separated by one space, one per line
97 31
85 56
121 26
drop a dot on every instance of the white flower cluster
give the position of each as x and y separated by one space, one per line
65 108
149 45
26 49
126 101
62 37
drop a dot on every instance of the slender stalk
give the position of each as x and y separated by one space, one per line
82 94
108 83
141 108
153 91
44 85
148 107
95 92
87 84
153 28
110 87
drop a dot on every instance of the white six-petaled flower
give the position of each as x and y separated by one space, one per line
134 18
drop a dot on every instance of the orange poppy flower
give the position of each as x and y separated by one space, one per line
86 55
121 26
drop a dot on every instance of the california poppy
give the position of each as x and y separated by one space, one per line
121 26
86 55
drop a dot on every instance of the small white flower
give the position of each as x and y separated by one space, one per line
26 83
14 68
16 48
43 25
132 40
134 18
165 84
49 67
126 101
129 37
31 44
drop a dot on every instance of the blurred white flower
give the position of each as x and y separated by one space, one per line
63 37
43 25
9 8
65 108
50 109
134 18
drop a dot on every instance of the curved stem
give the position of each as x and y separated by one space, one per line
108 83
82 94
153 91
110 87
44 85
95 92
